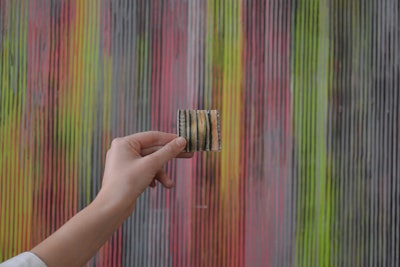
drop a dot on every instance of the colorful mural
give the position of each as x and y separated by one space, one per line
308 92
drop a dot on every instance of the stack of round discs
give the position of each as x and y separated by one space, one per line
201 128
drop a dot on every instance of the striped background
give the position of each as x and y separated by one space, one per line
308 92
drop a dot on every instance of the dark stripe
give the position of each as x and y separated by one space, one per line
190 131
197 130
187 130
219 130
205 130
210 129
182 124
179 122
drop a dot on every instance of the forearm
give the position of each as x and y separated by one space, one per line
79 239
132 163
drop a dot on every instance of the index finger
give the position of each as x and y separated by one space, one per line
150 150
166 153
150 139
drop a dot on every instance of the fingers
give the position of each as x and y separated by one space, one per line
166 153
149 139
163 178
150 150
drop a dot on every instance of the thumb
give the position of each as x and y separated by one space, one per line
167 152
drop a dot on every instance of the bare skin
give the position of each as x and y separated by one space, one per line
133 163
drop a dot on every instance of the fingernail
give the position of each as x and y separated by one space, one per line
181 141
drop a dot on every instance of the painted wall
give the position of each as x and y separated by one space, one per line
308 92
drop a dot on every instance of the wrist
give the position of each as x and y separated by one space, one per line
114 206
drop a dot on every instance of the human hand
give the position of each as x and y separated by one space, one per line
134 162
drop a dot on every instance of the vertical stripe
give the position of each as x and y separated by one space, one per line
307 93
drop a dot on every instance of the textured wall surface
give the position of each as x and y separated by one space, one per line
308 92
